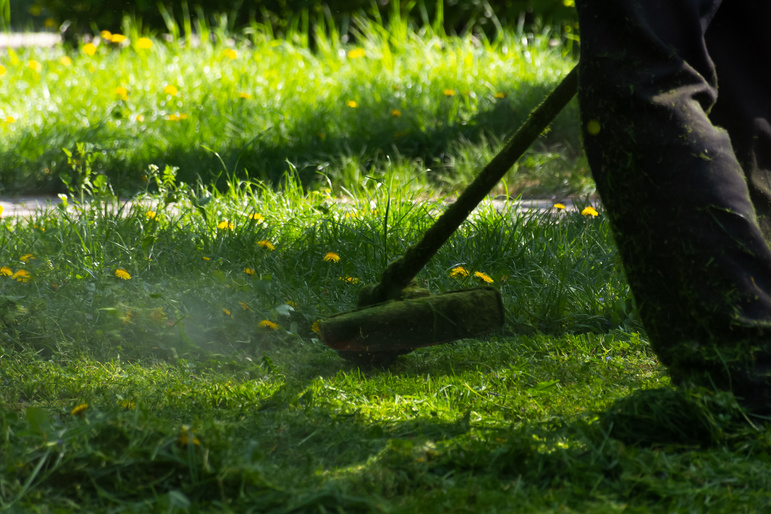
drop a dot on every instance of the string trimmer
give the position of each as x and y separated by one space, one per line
395 317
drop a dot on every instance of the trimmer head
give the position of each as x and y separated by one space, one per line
378 333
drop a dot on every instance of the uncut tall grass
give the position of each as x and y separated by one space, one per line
426 107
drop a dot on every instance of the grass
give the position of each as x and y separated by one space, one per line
398 100
160 356
167 390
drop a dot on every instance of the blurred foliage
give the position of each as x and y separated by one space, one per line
455 15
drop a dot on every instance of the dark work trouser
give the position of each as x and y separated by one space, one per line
675 104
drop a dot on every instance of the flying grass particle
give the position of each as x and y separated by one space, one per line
332 257
122 274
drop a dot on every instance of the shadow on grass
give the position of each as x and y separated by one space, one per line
35 161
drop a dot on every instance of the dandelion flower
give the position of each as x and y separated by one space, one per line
459 272
448 92
122 274
187 436
356 53
79 410
5 271
225 225
121 92
89 49
170 90
206 258
350 280
226 312
172 117
249 271
158 314
396 113
316 327
230 54
140 118
10 119
352 104
590 211
332 257
268 324
484 277
128 404
244 306
256 216
118 38
34 65
244 95
144 43
559 206
26 257
21 276
2 70
66 61
151 215
105 34
499 95
266 244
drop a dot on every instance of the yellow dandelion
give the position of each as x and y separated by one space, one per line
151 215
316 327
170 90
350 280
21 276
459 272
140 118
122 274
559 206
448 92
356 53
593 127
1 210
144 43
105 34
352 104
172 117
590 211
244 95
5 271
121 92
79 410
118 38
10 119
266 244
26 257
206 258
65 61
226 312
268 324
396 113
89 49
291 304
249 271
187 436
256 216
128 404
499 95
225 225
182 116
34 65
244 306
484 277
230 53
332 257
2 70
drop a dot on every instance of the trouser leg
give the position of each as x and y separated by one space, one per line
674 191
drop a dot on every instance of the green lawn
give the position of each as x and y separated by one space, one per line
162 356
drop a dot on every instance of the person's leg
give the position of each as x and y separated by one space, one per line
739 43
673 189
